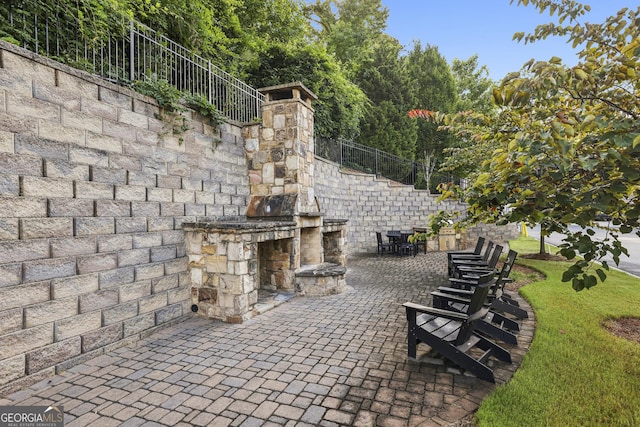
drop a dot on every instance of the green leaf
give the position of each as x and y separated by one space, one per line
568 253
568 275
577 284
626 229
590 281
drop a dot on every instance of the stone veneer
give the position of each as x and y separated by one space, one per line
279 246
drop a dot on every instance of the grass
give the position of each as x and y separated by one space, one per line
575 373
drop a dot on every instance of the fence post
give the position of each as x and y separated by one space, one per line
210 94
131 52
376 162
35 26
413 173
256 98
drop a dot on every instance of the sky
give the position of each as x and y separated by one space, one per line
462 28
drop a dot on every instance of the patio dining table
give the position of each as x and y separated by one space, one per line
396 239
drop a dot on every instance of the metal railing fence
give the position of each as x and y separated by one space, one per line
367 159
124 51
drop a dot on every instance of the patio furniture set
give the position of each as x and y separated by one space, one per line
399 243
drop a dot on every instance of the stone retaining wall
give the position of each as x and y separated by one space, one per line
93 193
377 204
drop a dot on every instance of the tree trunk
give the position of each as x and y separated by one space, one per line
543 247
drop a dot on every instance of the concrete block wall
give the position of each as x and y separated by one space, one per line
93 194
376 204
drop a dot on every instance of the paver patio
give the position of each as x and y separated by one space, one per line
316 361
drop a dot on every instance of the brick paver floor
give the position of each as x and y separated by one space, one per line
325 361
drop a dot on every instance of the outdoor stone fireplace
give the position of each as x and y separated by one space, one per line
283 246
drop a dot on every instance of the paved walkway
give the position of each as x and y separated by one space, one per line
328 361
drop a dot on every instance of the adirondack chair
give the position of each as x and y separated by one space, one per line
477 251
476 254
493 324
452 334
497 298
484 257
478 267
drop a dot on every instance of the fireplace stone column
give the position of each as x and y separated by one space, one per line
279 246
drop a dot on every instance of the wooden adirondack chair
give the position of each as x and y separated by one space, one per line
478 267
452 334
497 298
494 324
484 257
476 254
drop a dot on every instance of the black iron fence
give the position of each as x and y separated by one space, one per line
367 159
124 51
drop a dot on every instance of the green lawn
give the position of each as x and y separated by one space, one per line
575 373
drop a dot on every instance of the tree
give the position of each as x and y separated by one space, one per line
232 33
340 104
473 85
386 83
474 89
434 88
349 29
386 127
565 144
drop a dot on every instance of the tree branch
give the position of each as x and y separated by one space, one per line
604 101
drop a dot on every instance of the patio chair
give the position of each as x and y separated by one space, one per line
452 333
382 246
476 254
478 267
456 298
493 324
404 246
499 300
483 257
419 243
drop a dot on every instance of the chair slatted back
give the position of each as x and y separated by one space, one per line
495 257
476 309
479 244
487 251
505 271
508 264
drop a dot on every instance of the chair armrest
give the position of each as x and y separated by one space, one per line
464 281
481 268
450 297
455 291
467 255
469 262
410 306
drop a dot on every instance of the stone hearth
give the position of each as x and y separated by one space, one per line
284 244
